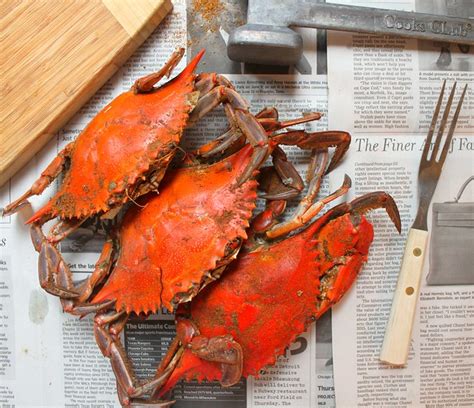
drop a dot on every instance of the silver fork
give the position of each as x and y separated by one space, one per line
396 343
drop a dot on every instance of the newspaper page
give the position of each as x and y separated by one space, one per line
49 358
383 90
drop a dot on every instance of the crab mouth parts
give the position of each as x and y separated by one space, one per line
327 283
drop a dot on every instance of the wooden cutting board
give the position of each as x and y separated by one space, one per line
55 55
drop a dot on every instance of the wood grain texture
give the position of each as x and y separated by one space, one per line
138 22
55 55
396 344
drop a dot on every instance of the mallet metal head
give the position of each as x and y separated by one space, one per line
265 44
275 43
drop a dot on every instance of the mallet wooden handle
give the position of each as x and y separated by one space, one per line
396 343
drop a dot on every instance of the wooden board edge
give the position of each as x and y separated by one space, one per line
138 22
9 168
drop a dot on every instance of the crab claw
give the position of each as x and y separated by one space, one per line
217 358
368 202
146 84
344 259
347 220
223 350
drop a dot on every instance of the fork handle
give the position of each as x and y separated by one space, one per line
396 343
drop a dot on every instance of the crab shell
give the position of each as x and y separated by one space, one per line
135 134
181 238
270 294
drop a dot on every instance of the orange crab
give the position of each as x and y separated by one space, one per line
268 296
171 245
125 150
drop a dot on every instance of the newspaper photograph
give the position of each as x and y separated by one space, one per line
380 89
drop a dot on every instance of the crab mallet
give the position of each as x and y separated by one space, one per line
267 38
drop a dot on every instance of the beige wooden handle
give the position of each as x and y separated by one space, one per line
396 343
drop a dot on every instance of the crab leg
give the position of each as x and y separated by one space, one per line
79 306
174 348
107 329
145 84
316 169
219 349
232 135
257 138
237 111
267 117
282 181
56 278
46 178
305 213
317 140
268 113
223 350
49 264
273 124
220 144
307 209
63 228
367 202
125 401
267 218
205 82
102 269
271 181
215 97
304 140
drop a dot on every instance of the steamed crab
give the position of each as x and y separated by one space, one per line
268 296
171 245
125 150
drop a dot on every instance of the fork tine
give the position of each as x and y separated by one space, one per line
429 137
442 125
444 152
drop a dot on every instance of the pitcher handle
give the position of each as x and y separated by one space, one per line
463 187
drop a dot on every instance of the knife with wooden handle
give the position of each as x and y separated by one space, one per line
396 344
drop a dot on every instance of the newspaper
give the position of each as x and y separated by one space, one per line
383 90
48 358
